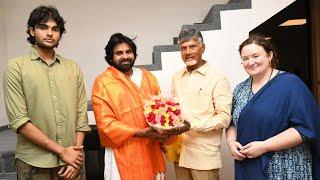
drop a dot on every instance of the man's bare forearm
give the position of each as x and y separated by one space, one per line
36 136
79 138
69 155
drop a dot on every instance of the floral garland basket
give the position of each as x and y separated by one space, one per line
162 113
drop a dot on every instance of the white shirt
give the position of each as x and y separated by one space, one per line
136 76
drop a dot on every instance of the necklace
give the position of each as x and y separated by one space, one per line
270 75
262 85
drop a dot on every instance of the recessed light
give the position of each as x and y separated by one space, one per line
294 22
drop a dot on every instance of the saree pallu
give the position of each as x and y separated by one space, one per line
284 102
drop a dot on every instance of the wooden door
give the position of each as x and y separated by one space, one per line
315 38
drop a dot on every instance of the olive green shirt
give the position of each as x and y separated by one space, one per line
52 97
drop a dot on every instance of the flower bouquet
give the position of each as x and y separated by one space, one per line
162 113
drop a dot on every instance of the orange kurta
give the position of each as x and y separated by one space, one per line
118 108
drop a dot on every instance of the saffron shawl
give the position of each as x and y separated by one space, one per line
118 107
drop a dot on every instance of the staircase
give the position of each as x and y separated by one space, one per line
223 29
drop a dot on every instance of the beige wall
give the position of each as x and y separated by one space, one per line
3 60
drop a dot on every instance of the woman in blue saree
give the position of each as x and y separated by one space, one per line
275 133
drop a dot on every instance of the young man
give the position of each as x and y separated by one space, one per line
46 104
117 98
205 97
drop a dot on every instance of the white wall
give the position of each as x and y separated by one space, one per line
3 60
90 24
222 45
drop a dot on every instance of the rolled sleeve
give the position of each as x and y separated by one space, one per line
14 98
17 123
84 128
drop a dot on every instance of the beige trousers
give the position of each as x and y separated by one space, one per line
192 174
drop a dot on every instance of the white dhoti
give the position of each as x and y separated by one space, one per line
111 171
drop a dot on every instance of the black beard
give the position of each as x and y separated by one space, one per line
124 68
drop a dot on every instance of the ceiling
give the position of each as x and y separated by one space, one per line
296 10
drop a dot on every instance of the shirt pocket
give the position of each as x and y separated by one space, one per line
197 102
205 99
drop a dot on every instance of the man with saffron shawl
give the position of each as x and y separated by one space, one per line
276 121
117 100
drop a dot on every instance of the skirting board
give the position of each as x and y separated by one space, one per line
3 127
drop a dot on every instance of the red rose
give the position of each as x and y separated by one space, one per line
177 112
163 120
151 118
155 106
168 102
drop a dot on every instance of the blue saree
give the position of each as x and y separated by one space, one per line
282 103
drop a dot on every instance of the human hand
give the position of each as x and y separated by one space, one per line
163 149
68 172
154 134
234 148
73 156
254 149
179 130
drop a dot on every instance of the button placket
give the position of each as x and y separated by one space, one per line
56 107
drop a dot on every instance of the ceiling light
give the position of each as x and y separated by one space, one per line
294 22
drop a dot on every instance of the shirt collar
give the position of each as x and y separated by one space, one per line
35 56
201 70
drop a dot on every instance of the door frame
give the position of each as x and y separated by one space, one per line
315 47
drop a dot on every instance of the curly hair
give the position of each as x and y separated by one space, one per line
42 14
